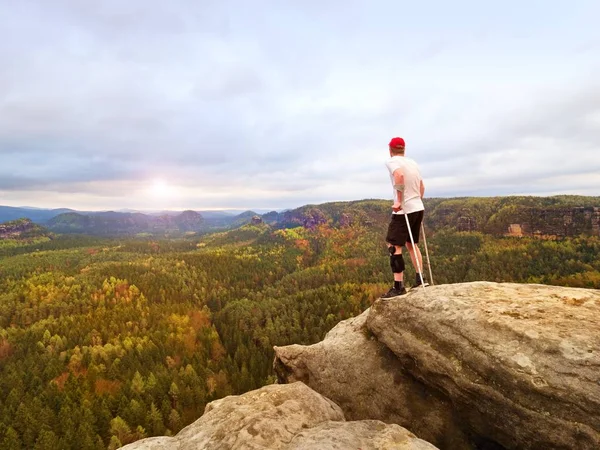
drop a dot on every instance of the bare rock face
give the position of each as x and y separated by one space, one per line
16 229
264 418
155 443
521 363
518 365
291 416
362 376
364 434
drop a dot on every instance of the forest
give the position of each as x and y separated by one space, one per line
104 340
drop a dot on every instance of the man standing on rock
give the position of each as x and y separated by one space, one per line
408 199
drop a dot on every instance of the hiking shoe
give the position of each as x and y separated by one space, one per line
393 292
418 285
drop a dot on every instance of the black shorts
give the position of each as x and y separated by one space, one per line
397 233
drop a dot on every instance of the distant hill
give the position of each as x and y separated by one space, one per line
207 214
122 223
217 214
36 215
244 218
189 221
21 229
366 212
557 216
128 222
225 220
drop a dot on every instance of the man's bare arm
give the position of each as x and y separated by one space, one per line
422 189
399 187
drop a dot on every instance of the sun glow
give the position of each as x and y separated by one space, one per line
160 188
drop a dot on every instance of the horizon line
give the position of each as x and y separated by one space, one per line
225 209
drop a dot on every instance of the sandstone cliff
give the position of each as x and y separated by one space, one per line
473 365
20 229
289 416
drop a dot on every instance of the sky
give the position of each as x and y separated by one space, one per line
189 104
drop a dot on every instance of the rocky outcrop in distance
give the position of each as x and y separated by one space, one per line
520 220
544 217
290 416
555 223
21 228
466 366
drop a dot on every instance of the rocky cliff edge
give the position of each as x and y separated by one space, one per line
291 416
466 366
472 365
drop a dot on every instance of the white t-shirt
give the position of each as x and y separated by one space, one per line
412 183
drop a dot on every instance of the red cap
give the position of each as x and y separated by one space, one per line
397 142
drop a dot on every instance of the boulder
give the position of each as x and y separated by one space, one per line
517 365
291 416
520 363
155 443
363 435
361 375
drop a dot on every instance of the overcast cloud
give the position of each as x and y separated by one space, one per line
265 104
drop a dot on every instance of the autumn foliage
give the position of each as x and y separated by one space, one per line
105 341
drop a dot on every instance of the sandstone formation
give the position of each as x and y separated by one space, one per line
351 367
19 228
507 365
289 416
518 220
364 434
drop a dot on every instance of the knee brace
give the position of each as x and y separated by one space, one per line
397 263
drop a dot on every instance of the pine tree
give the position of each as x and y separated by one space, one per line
137 384
47 440
174 422
11 440
151 382
174 395
115 443
155 421
121 430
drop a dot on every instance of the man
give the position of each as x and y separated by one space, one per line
408 199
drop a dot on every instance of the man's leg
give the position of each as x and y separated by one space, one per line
412 250
396 236
398 276
397 266
415 219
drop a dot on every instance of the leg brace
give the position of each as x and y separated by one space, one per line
396 261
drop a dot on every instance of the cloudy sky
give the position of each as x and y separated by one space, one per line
272 104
